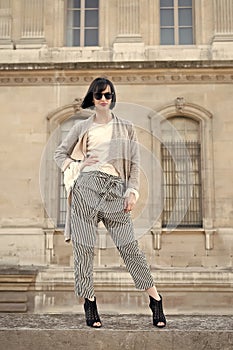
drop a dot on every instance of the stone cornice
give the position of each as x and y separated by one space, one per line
154 73
117 65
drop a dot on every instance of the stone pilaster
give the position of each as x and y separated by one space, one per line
223 15
128 21
222 45
55 30
5 22
128 43
32 22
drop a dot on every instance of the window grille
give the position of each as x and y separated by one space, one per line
65 128
181 163
62 203
82 23
176 22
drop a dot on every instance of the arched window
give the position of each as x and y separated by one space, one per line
52 187
181 164
65 128
191 126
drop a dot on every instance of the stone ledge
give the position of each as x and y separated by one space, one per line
68 331
120 65
48 76
13 307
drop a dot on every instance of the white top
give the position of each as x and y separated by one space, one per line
98 143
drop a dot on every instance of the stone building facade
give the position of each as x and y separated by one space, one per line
172 64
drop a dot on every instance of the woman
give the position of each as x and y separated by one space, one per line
100 161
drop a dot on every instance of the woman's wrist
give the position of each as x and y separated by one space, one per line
132 190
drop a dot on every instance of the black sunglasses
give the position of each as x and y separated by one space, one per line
107 95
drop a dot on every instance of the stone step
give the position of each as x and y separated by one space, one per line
119 332
8 297
13 302
13 307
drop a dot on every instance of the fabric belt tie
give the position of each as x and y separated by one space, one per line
110 183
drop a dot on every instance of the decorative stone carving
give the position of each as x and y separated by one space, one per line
77 105
180 104
19 76
156 238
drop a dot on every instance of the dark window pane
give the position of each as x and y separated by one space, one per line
91 18
166 3
74 3
76 37
167 36
76 18
166 18
92 4
185 17
185 36
187 3
91 37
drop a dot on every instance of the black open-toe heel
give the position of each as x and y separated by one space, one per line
91 313
157 309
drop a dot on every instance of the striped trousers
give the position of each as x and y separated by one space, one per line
96 197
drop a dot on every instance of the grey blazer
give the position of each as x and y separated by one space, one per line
124 153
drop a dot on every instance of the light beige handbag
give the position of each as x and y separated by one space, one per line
73 164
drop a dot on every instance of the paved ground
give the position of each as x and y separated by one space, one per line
125 332
120 322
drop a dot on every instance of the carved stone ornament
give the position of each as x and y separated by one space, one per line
37 77
77 104
180 104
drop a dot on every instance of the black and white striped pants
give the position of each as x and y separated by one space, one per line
96 197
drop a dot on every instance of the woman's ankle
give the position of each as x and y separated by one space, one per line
153 293
91 299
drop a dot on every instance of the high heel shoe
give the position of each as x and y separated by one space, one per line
91 313
157 309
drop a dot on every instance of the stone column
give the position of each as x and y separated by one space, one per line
223 20
128 44
5 22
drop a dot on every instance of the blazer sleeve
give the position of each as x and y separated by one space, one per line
64 150
134 175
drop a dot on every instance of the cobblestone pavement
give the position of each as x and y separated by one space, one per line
119 322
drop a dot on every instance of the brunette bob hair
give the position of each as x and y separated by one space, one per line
98 85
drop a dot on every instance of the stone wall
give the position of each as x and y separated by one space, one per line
25 132
39 80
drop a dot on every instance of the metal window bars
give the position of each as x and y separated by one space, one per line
181 187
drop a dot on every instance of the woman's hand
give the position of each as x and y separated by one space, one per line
130 202
89 161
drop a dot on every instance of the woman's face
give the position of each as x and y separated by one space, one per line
102 100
